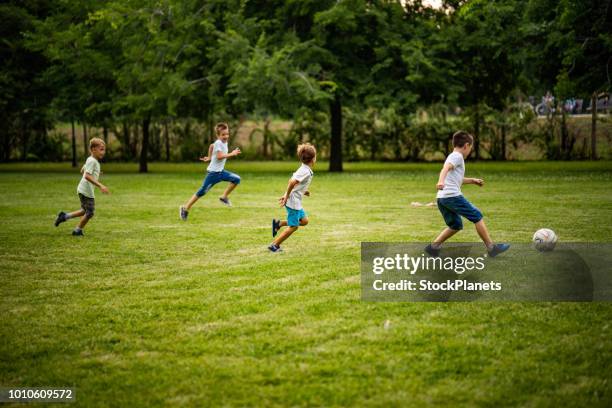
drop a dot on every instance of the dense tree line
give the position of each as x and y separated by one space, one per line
360 78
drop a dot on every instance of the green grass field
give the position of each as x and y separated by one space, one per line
146 310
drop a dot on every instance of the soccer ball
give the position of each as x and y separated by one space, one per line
544 240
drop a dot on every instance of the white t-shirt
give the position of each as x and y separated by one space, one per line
454 178
92 167
216 164
304 176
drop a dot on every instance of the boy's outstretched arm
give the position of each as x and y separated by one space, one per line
443 173
95 182
290 186
235 152
477 181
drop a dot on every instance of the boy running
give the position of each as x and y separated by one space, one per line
292 199
85 189
451 202
217 155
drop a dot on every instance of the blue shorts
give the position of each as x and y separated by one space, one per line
294 216
452 208
214 177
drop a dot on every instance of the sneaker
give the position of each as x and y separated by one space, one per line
78 233
498 249
61 217
183 213
431 251
275 227
275 248
225 201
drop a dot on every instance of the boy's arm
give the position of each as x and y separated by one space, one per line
443 173
95 182
210 151
477 181
235 152
290 186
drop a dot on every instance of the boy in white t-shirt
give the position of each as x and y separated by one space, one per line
292 199
217 155
451 202
85 189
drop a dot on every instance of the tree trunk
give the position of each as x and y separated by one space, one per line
85 140
167 139
335 154
477 132
144 152
25 139
594 126
503 141
134 141
74 153
266 129
565 154
125 143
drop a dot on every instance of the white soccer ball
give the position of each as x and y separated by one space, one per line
544 240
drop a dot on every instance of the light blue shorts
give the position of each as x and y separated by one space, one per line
294 216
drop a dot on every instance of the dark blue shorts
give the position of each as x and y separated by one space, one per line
214 177
453 208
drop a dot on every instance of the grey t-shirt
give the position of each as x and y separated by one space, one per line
304 176
454 178
216 164
91 167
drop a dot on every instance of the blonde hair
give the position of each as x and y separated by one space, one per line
306 152
96 142
220 127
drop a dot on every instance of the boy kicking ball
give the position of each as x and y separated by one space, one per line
292 199
217 155
451 202
85 190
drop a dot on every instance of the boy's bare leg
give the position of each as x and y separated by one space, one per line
228 190
444 235
483 233
75 214
303 221
83 222
191 202
284 235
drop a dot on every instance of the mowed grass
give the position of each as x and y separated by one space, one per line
146 310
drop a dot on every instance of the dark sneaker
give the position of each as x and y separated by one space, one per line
275 248
498 249
275 227
183 213
225 201
431 251
78 233
61 217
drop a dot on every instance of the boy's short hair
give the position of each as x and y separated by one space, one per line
96 142
219 127
461 137
306 152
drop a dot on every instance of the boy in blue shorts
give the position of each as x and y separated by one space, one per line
451 202
217 155
292 199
